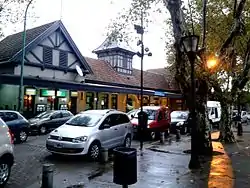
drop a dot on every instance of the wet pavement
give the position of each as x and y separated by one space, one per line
30 156
239 154
161 165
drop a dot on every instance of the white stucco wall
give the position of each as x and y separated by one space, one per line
47 73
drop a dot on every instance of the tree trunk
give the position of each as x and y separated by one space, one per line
205 141
226 133
182 77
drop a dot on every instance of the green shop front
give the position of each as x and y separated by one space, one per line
43 99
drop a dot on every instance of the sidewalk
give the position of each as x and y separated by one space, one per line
239 154
166 166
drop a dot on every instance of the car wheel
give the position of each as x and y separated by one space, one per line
153 135
127 141
94 151
42 130
4 172
23 136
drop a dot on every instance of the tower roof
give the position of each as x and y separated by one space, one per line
114 44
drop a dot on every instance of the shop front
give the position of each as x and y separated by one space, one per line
38 100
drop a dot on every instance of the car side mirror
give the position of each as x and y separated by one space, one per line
132 116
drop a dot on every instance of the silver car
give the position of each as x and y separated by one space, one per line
89 131
6 152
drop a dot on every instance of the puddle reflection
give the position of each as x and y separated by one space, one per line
221 171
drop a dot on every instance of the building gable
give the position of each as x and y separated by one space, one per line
54 51
51 49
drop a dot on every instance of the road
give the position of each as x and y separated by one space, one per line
31 155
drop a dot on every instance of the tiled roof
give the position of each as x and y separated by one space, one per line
104 72
12 44
168 74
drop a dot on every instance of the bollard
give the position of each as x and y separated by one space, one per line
170 141
104 155
47 178
162 137
178 135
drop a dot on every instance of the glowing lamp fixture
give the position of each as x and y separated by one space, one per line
211 63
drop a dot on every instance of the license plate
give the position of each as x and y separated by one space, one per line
58 146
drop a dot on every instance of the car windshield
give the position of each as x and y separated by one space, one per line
179 115
85 120
44 114
151 114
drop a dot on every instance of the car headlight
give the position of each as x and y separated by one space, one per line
180 123
80 139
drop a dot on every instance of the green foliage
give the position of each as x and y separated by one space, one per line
122 26
11 11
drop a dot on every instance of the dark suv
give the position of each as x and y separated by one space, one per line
18 125
49 120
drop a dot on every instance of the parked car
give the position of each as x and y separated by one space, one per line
245 116
214 113
18 124
131 113
179 120
89 131
49 120
6 153
158 120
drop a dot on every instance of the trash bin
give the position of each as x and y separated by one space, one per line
125 166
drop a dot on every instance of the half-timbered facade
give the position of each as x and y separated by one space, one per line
52 81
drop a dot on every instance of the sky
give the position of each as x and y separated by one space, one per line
87 21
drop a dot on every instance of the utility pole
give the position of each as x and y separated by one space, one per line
142 117
142 56
20 98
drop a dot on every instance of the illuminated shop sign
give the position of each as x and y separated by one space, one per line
47 93
74 94
30 91
61 93
158 93
51 93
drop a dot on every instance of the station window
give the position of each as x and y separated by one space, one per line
105 101
114 99
89 101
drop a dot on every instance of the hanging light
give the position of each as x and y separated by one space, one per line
190 43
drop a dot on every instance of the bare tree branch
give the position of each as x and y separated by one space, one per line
243 78
235 7
204 10
236 27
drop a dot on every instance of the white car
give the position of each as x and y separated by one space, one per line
245 116
89 131
131 114
6 153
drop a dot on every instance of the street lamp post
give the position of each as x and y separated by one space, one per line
20 101
144 51
190 45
